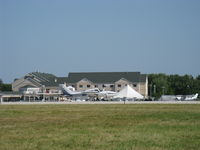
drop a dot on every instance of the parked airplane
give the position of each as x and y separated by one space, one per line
106 94
89 93
179 97
190 97
186 97
68 92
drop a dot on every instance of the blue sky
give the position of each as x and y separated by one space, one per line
150 36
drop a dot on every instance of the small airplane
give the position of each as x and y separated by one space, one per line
106 94
191 97
68 91
187 97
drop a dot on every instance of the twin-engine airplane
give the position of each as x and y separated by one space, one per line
68 92
90 92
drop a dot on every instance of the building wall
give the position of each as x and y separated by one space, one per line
119 85
141 87
16 85
84 85
105 86
144 88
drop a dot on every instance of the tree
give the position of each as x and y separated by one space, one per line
198 78
158 81
173 85
197 84
1 82
182 84
6 87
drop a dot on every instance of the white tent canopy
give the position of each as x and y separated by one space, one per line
128 92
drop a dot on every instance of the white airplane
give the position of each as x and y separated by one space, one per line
106 94
187 97
68 92
179 97
191 97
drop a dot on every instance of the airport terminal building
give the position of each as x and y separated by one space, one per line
112 81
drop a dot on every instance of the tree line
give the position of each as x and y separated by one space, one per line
162 84
5 87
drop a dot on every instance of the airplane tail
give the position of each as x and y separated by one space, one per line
196 96
65 90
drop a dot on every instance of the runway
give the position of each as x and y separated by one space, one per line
102 102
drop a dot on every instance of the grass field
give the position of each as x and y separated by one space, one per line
106 127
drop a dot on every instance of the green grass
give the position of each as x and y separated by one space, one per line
106 127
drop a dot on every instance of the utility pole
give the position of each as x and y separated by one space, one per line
154 89
1 99
163 90
43 91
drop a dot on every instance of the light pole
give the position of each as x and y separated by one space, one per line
150 90
43 91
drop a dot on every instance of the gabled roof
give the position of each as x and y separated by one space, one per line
47 79
86 80
106 77
40 78
43 77
55 81
62 80
123 80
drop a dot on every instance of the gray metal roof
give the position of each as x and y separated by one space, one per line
39 79
106 77
62 80
44 77
47 79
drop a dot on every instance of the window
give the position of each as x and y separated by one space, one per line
96 86
111 86
88 85
134 85
73 85
80 86
119 85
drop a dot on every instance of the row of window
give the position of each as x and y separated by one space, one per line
80 86
134 85
111 86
